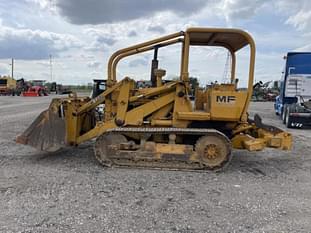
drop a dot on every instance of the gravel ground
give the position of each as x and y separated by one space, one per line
69 191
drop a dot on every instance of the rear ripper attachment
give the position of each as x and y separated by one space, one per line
255 136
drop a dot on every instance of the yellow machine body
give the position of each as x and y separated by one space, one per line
7 85
159 126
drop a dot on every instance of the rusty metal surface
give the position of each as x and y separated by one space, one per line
164 130
46 133
217 157
258 122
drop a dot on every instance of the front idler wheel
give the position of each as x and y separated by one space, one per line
102 148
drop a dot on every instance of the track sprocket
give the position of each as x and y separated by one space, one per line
214 151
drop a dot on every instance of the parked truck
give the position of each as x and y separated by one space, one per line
294 101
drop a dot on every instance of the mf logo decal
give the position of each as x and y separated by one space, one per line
225 99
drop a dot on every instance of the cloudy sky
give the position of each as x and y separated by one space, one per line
80 36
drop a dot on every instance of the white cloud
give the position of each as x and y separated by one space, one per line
301 20
93 64
138 62
304 48
81 33
4 68
298 12
43 4
34 44
101 39
240 9
156 28
132 33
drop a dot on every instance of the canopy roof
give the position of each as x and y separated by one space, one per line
232 39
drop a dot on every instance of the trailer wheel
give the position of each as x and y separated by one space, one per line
284 112
276 110
288 118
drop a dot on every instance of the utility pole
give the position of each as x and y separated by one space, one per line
12 70
51 73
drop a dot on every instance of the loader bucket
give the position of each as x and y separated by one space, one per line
46 133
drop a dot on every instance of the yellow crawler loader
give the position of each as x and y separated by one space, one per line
158 126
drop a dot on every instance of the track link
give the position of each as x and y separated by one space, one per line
108 154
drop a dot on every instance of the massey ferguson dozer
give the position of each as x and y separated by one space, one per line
158 126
